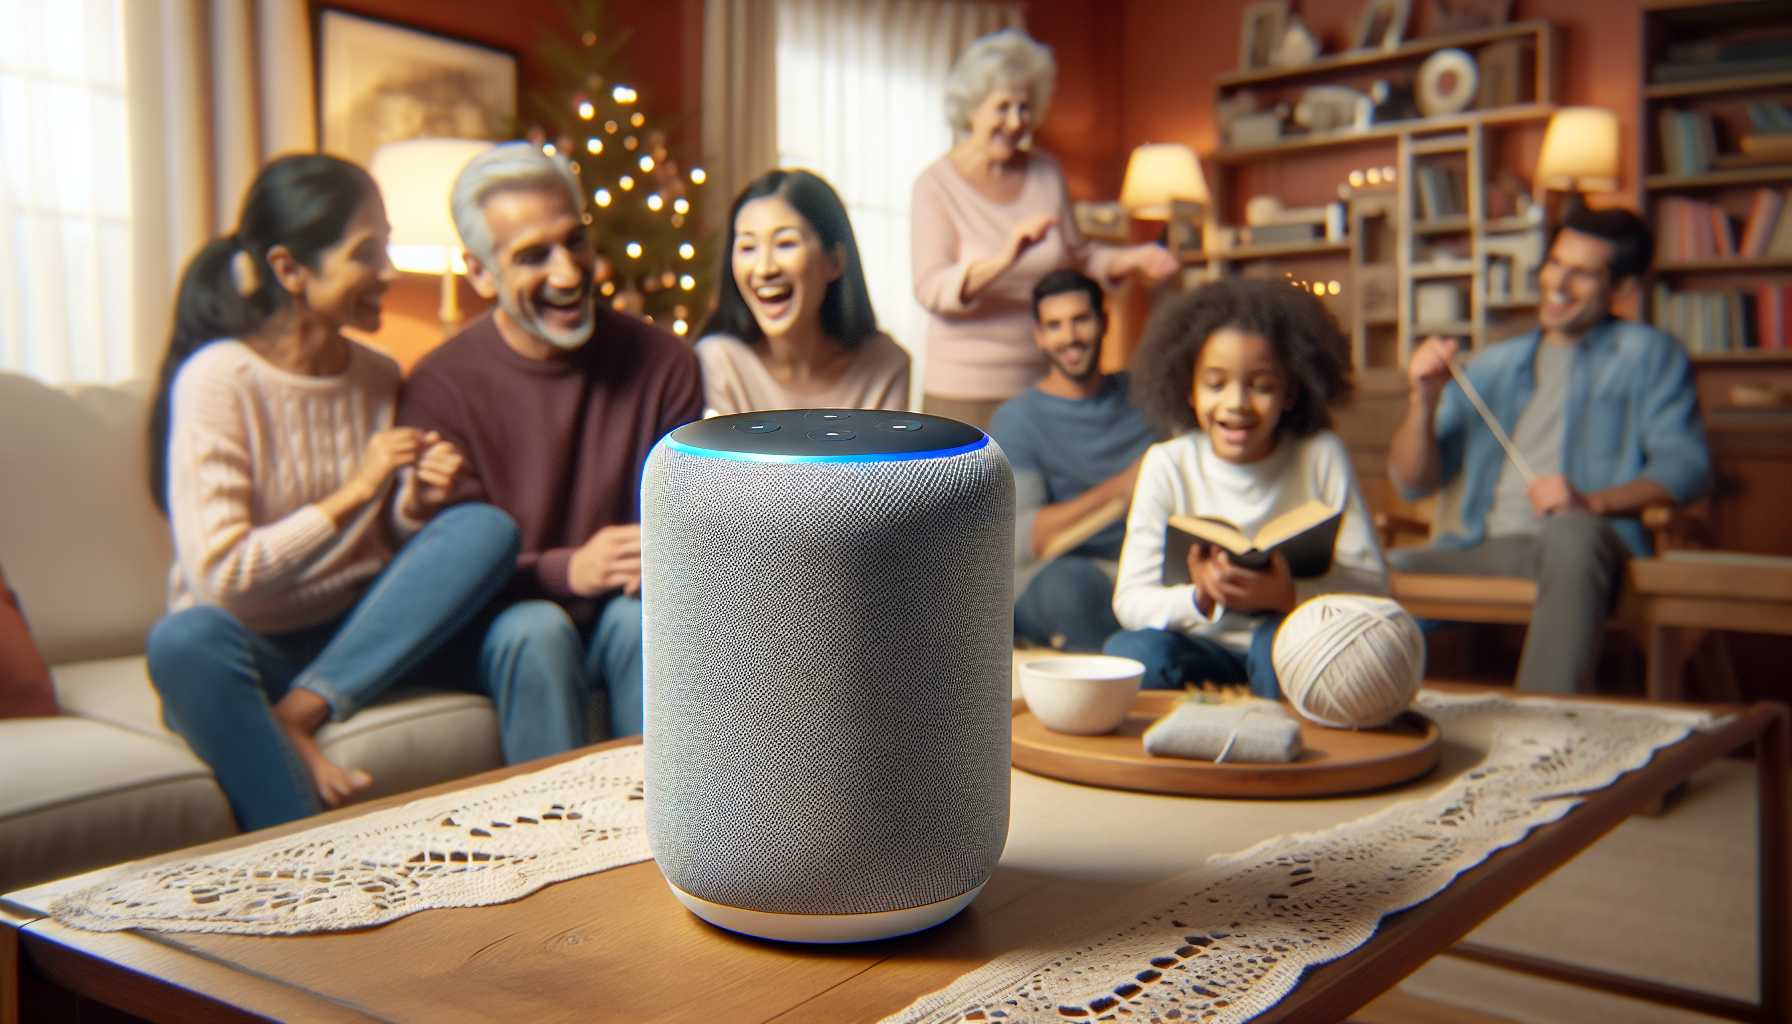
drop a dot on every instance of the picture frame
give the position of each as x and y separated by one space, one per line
380 82
1102 222
1467 15
1186 229
1265 21
1382 25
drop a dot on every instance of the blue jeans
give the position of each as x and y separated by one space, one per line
1068 605
1170 658
218 679
538 639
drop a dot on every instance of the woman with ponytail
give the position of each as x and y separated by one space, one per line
274 455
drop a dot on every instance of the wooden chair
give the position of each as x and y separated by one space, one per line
1667 647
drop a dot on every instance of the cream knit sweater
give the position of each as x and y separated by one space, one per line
251 449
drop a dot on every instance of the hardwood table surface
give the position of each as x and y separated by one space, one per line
616 945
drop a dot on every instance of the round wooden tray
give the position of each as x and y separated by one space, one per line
1336 760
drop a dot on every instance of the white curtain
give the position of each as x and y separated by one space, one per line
217 88
65 198
859 100
740 98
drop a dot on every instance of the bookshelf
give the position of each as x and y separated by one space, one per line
1715 163
1398 240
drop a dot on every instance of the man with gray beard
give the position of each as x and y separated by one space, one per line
555 400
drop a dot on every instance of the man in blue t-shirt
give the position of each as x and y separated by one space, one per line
1075 442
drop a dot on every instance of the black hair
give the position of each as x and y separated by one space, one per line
303 202
1308 342
846 312
1065 280
1633 244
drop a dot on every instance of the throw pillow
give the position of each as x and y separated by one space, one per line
25 687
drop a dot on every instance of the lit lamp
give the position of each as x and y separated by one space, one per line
1580 152
1160 178
415 178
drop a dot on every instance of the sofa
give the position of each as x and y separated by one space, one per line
87 555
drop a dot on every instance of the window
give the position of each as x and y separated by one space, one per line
64 192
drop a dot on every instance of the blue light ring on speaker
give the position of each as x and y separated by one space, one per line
676 445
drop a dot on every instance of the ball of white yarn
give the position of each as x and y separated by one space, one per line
1349 661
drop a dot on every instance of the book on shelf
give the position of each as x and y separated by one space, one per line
1441 192
1304 535
1769 118
1281 234
1693 229
1763 216
1715 321
1688 141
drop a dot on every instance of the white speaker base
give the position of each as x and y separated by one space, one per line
824 927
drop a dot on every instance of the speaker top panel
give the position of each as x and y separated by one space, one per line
826 435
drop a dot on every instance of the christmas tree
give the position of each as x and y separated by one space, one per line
643 207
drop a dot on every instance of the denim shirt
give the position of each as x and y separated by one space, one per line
1631 411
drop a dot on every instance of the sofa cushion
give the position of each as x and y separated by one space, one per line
81 794
116 691
80 539
25 687
415 738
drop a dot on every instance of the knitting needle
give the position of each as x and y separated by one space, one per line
1474 397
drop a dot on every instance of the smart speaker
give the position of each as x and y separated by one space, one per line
828 639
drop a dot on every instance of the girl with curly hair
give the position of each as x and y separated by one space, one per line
1242 373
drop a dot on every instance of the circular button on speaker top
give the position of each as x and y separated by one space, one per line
903 426
834 434
829 416
756 427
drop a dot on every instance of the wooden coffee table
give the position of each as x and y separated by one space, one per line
616 946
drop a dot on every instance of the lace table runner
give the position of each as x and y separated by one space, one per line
1228 940
490 844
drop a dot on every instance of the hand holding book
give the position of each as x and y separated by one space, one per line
1304 536
1219 579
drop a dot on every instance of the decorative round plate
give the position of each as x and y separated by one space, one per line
1335 761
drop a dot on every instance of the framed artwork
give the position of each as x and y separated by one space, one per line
1264 23
1185 229
378 82
1102 222
1382 25
1468 15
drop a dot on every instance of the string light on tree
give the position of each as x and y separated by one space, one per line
593 107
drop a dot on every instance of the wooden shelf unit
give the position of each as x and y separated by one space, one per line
1667 23
1377 258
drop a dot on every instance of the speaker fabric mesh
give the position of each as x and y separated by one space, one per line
828 651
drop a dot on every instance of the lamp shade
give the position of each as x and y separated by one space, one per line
415 179
1157 173
1580 151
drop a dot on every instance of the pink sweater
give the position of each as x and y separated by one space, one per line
983 350
250 449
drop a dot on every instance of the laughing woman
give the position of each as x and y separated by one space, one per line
273 453
990 218
793 326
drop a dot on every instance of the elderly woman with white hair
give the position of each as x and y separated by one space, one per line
990 218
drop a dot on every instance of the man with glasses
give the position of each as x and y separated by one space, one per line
1605 421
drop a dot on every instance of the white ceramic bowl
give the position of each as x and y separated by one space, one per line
1083 694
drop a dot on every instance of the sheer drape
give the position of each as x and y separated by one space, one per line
216 88
65 200
859 101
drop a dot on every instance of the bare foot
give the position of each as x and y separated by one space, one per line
299 714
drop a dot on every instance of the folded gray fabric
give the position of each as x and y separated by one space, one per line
1232 733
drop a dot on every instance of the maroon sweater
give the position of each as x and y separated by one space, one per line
559 445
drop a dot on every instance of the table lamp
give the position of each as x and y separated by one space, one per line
1164 182
415 178
1580 152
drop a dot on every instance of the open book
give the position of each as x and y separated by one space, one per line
1304 535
